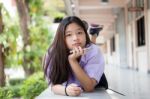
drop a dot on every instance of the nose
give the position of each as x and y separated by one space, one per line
75 37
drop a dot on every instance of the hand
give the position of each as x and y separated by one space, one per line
76 52
73 90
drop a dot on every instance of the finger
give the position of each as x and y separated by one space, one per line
70 90
75 88
74 92
71 51
73 84
76 50
81 50
77 93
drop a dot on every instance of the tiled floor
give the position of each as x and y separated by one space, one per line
134 84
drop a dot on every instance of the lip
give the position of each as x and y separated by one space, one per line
76 44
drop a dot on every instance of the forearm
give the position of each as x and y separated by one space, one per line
70 90
58 89
87 83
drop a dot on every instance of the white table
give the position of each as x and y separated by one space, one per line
97 94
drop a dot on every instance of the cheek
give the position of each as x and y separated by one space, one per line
68 43
84 40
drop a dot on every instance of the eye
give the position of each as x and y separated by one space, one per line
67 35
80 32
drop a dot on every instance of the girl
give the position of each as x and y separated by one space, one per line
73 63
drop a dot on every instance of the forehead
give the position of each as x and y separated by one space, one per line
73 27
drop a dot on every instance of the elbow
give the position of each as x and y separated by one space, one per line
89 88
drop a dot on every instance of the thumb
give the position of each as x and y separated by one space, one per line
74 84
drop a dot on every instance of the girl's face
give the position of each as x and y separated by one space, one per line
75 36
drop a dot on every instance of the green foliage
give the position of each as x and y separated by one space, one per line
29 88
5 93
8 38
39 33
15 90
41 17
10 91
16 81
54 8
33 86
35 7
40 38
11 33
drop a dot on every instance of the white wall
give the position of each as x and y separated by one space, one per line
148 27
129 45
113 57
121 30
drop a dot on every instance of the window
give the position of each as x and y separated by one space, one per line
140 31
113 44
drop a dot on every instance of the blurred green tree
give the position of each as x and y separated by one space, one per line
2 76
35 20
26 37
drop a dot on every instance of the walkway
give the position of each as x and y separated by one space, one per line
133 84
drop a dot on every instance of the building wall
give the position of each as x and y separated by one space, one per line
148 28
119 56
112 57
142 51
137 55
127 53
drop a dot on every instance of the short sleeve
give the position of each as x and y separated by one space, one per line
95 65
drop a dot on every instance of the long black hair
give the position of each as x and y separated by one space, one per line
56 67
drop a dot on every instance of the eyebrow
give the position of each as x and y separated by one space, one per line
76 30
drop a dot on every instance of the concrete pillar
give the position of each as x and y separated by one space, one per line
121 30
